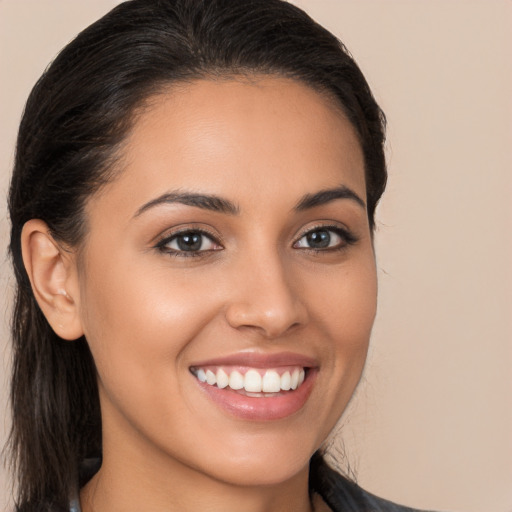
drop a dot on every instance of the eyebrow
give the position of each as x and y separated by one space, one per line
326 196
204 201
221 205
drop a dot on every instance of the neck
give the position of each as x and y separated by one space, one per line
134 479
129 489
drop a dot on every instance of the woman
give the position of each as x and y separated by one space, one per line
192 210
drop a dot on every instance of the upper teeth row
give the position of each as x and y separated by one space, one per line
252 381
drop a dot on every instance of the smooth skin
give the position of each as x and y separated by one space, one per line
256 280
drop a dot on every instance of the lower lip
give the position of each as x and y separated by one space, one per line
264 408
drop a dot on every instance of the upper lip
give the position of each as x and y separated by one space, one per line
259 360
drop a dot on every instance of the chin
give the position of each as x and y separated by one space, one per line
266 471
261 462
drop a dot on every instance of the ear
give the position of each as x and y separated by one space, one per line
53 275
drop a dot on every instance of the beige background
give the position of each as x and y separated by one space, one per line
431 425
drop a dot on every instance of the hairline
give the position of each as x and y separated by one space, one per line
116 160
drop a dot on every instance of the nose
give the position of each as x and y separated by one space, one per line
266 298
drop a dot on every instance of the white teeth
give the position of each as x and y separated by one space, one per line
222 378
252 381
295 379
286 380
210 377
271 382
236 380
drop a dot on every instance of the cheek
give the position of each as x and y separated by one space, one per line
139 323
346 303
346 313
139 331
356 315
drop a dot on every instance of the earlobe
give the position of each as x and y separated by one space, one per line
52 273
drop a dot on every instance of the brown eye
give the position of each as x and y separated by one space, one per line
324 238
192 241
320 239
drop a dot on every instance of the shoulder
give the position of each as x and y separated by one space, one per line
343 495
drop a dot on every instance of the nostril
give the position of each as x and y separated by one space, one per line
269 323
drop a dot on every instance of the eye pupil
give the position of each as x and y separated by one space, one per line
319 239
190 241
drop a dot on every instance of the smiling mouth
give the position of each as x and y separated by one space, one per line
253 382
256 386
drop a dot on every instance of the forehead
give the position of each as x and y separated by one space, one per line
265 135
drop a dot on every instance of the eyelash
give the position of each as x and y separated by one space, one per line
347 239
163 244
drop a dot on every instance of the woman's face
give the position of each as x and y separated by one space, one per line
234 247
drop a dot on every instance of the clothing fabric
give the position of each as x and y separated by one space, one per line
344 495
338 492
